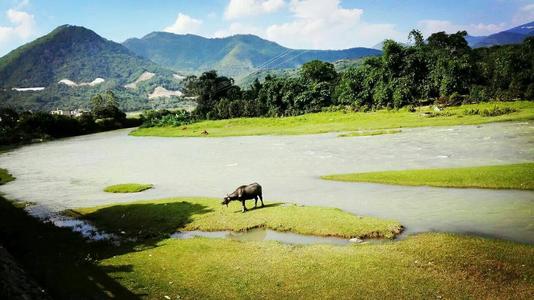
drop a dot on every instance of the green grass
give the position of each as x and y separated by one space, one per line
423 266
341 121
152 266
370 133
5 177
516 176
127 188
162 217
427 266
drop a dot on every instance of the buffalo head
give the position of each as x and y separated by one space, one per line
226 200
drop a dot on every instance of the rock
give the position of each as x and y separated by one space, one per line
356 240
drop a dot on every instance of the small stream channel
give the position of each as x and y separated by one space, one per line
261 234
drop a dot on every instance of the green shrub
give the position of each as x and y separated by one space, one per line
162 118
490 112
496 111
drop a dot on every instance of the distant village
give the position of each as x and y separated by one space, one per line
71 113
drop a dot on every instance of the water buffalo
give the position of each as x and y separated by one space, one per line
245 192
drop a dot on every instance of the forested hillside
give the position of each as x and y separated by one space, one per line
237 56
70 65
442 69
74 53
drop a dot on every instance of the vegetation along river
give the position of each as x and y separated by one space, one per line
72 173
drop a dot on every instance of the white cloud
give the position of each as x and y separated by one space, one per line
524 15
431 26
246 8
22 4
324 24
238 28
184 24
23 26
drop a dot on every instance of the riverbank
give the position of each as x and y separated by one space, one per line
516 176
149 264
323 122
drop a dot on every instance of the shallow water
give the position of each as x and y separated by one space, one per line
72 173
261 234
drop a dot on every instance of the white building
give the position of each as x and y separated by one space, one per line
73 113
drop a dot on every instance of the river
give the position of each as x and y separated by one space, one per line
72 172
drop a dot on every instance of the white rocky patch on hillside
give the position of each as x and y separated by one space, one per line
144 77
69 82
178 76
28 89
161 92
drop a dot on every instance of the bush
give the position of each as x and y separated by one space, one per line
478 94
491 112
496 111
162 118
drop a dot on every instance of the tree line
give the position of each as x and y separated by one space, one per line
27 126
442 69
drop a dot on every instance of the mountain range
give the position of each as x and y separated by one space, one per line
70 64
514 35
66 67
235 56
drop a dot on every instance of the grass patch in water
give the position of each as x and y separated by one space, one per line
346 121
128 188
165 216
5 177
515 176
370 133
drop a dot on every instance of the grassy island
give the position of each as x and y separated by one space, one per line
127 188
5 177
516 176
165 216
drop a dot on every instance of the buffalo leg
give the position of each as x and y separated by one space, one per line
255 201
244 206
261 198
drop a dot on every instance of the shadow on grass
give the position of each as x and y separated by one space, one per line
144 225
64 263
251 208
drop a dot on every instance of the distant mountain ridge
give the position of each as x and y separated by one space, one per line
74 53
69 65
236 56
514 35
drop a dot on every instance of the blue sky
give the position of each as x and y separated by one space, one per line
318 24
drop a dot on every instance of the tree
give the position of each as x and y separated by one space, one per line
209 88
318 71
106 106
453 43
416 37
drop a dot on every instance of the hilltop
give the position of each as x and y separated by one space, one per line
236 56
